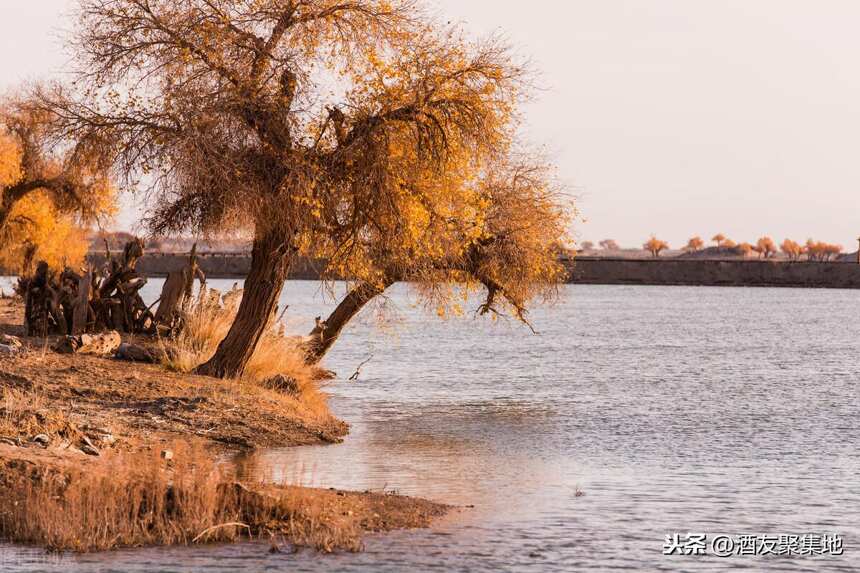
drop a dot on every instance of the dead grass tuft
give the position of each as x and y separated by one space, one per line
207 323
141 499
23 413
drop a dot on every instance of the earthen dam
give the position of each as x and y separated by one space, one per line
582 270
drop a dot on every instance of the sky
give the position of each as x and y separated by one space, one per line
667 117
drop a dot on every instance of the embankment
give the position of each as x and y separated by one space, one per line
773 273
584 270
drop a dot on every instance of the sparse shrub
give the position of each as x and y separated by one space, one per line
609 245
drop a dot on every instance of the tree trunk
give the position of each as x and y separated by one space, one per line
4 218
325 333
270 263
172 294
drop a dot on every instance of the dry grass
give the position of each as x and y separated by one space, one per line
24 413
206 323
143 500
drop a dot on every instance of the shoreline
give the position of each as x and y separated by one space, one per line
74 428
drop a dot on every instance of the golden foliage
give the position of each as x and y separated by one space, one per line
401 171
719 238
821 251
47 189
765 247
695 244
37 224
655 246
791 249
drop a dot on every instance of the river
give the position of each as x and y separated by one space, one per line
636 412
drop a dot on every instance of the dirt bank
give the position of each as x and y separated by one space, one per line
74 428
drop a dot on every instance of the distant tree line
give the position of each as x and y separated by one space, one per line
765 247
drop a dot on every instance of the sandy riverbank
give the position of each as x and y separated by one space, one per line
129 446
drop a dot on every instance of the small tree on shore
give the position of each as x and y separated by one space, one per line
719 238
655 246
695 244
587 245
745 249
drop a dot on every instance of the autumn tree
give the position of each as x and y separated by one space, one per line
792 249
695 244
587 245
609 245
765 247
655 246
47 189
719 239
351 128
745 249
729 244
821 251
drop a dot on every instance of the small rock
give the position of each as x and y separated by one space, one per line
90 450
10 340
135 353
10 350
107 439
42 439
167 455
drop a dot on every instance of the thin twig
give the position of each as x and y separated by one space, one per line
358 370
214 527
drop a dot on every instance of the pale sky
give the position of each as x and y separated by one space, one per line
674 117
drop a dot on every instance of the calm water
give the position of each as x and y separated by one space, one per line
672 409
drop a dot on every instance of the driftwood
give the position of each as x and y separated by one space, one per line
75 303
82 311
41 293
178 290
99 344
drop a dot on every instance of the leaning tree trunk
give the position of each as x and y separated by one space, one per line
270 262
325 333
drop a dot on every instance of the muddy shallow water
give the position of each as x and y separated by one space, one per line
636 412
